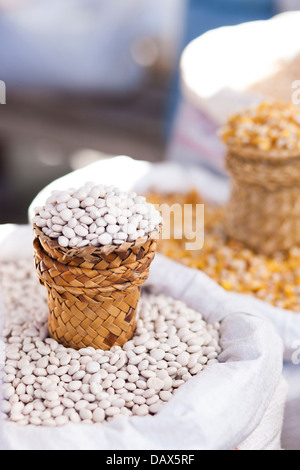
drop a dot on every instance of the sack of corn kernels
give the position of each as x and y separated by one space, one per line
202 372
218 81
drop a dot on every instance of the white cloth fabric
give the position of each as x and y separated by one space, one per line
269 430
237 395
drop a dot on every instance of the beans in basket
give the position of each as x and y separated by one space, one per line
96 215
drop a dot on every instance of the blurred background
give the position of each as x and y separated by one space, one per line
87 79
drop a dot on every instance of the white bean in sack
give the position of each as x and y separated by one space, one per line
46 384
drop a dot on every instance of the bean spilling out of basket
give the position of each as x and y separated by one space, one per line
96 215
47 384
274 279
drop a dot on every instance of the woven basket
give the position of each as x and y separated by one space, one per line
264 208
93 292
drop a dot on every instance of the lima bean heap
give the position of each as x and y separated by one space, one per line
46 384
96 215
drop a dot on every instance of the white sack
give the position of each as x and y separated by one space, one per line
217 71
241 398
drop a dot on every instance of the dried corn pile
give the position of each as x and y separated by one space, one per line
275 279
49 385
271 126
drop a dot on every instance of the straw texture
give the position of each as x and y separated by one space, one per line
93 292
264 207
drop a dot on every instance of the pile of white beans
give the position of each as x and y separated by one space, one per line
46 384
96 215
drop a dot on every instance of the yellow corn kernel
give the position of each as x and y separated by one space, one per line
289 290
227 285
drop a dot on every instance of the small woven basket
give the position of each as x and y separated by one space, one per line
93 292
264 208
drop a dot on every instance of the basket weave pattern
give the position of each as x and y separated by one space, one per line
93 293
264 208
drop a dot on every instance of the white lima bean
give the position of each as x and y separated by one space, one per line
46 384
74 215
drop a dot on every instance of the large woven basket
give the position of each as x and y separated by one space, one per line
93 292
264 208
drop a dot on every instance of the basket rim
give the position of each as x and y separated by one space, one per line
91 250
253 153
